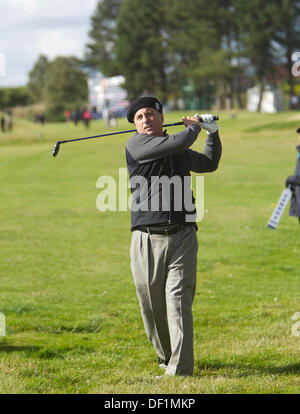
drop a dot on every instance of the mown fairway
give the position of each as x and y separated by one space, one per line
73 320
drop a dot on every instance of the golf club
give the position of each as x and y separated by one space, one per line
57 145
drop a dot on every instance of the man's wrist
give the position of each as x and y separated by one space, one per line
213 130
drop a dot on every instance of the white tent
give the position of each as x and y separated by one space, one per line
105 92
272 100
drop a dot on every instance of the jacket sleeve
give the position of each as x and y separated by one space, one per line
208 160
145 148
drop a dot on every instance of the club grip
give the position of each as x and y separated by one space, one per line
215 118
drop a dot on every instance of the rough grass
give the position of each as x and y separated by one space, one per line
73 320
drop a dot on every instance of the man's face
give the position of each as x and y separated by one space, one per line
149 121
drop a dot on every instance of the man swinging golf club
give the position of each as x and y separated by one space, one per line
164 243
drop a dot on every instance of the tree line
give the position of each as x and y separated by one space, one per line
174 49
165 47
10 97
60 84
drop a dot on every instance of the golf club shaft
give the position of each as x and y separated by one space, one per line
57 145
113 133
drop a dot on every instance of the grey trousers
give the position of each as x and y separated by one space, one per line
164 269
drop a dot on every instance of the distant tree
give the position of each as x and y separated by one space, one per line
203 43
100 50
159 46
184 41
11 97
257 24
37 77
164 46
141 47
65 86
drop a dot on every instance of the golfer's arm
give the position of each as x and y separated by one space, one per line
146 148
208 160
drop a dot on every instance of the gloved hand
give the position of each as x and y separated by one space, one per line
208 123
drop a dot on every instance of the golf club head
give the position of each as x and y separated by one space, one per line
56 149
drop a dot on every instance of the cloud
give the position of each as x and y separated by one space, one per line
33 27
48 8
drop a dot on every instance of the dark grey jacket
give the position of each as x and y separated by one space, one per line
151 158
294 181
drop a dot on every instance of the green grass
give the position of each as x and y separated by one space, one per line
73 320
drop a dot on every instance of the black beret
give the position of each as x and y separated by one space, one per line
143 102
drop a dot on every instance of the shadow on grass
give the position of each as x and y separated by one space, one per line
44 352
12 348
240 369
274 126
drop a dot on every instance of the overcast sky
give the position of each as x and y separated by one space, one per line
29 28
